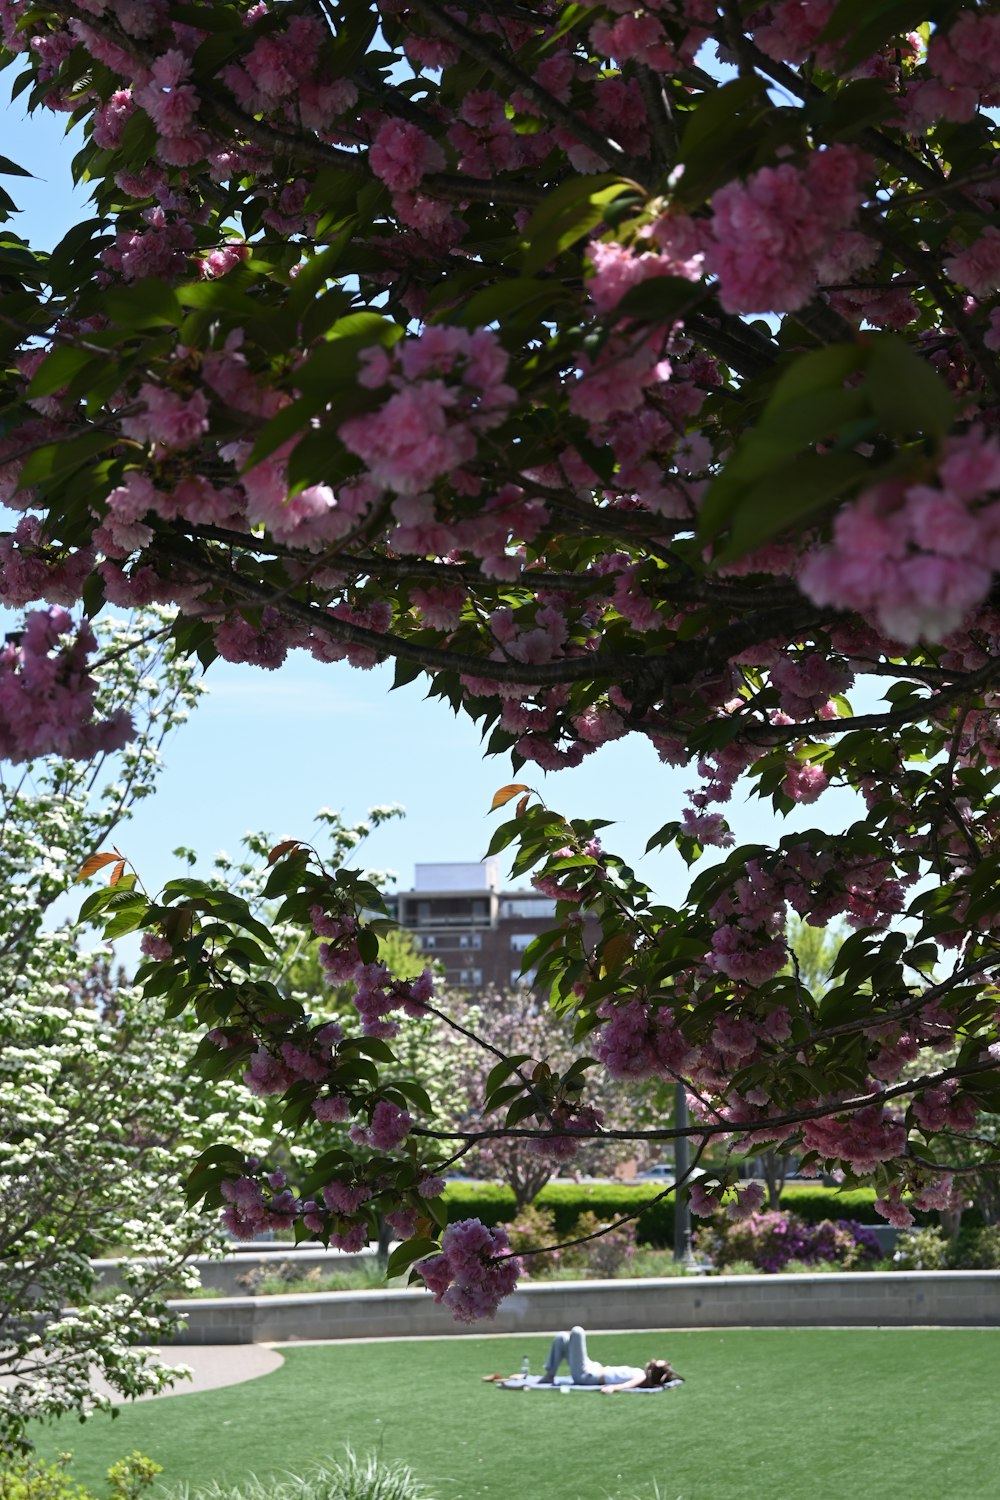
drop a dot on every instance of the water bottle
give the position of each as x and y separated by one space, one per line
525 1368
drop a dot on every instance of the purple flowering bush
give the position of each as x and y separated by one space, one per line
769 1241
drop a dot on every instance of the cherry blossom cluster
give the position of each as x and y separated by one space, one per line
448 388
376 991
260 1201
47 693
473 1272
917 558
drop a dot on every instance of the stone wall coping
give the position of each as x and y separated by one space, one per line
701 1284
266 1253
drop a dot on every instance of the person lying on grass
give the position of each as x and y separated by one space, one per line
572 1347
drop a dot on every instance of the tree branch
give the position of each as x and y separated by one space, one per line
517 81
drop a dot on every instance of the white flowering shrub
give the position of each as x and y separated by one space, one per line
100 1112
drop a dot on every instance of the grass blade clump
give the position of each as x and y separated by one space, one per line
350 1478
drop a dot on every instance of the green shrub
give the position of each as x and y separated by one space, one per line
494 1204
923 1249
489 1201
606 1256
658 1263
979 1250
814 1204
31 1478
130 1476
533 1228
287 1279
773 1240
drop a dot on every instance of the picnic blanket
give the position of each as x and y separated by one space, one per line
565 1383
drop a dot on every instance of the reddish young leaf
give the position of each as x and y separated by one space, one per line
280 850
522 804
117 872
504 795
96 862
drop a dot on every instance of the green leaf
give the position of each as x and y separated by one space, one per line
409 1251
367 945
58 368
503 1069
867 26
213 1156
501 1096
719 133
906 394
573 210
520 1110
416 1093
820 370
660 300
807 405
506 300
53 460
149 303
335 363
368 1046
788 496
312 277
864 102
571 17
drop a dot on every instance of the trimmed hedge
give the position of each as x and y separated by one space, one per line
816 1203
494 1204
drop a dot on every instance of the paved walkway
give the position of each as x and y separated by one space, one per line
212 1365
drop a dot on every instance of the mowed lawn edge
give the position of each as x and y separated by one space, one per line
779 1414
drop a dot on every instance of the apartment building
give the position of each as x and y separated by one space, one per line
458 915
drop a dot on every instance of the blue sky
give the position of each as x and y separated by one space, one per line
267 750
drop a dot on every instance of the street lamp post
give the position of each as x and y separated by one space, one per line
683 1253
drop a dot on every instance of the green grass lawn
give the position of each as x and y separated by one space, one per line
768 1414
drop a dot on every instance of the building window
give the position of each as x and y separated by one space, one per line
536 910
521 940
477 976
423 911
477 940
430 941
521 981
463 941
479 909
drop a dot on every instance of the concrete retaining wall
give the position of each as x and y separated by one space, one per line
224 1276
846 1299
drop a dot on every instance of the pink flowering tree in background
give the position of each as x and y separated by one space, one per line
616 369
519 1024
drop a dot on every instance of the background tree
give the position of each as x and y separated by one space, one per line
99 1120
403 331
518 1023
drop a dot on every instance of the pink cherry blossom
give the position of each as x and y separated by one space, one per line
473 1272
402 155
